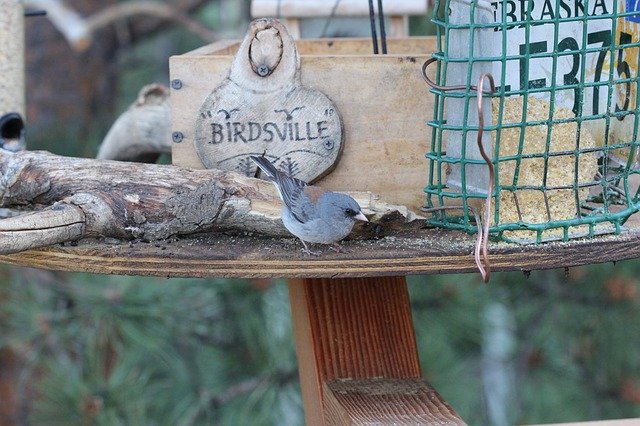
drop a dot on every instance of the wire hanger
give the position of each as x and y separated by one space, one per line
383 33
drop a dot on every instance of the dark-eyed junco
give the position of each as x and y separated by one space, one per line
309 212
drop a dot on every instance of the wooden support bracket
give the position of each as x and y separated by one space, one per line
357 354
385 401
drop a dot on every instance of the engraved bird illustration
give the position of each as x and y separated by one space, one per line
227 114
289 114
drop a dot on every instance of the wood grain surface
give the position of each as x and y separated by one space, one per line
369 333
386 401
349 334
428 251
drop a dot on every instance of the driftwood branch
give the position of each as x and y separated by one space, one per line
79 31
129 200
75 198
143 131
60 223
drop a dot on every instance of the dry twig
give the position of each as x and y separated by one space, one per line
79 30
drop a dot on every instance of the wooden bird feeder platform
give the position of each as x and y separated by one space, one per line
426 251
354 335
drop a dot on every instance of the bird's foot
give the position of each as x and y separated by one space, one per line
309 252
337 248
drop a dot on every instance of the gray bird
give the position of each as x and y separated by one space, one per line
309 212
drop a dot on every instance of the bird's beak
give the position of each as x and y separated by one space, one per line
361 217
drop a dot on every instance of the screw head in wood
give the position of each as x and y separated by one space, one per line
177 137
176 84
328 144
263 70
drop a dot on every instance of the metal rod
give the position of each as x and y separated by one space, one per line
383 33
374 36
30 13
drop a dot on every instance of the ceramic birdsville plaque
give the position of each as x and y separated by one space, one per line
262 108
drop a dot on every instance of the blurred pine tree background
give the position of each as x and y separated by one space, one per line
550 346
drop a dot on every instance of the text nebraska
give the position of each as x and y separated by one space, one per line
268 132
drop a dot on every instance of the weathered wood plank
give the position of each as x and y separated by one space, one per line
429 251
362 46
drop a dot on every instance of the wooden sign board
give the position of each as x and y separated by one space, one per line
262 108
382 100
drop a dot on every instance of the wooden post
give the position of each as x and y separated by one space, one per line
12 98
9 406
357 353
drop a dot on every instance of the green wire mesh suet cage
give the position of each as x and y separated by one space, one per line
559 129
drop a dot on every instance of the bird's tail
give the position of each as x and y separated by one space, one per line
265 165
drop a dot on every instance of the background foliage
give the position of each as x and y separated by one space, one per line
550 346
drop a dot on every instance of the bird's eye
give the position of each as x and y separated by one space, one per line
350 212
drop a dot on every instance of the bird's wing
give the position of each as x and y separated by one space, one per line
294 195
291 190
265 165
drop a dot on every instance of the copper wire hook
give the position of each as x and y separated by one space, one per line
482 244
481 252
433 85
